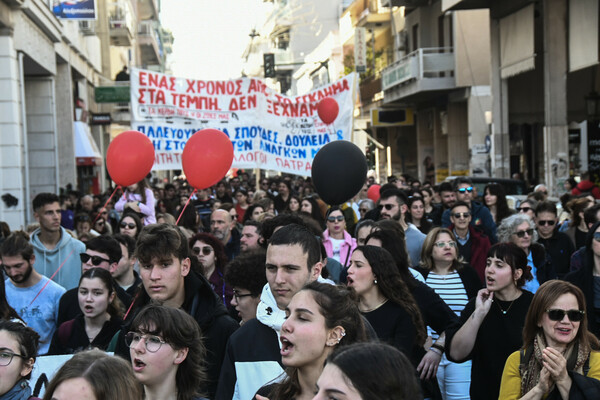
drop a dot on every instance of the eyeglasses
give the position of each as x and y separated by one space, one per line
363 210
461 215
6 358
386 206
521 234
238 296
444 244
130 225
558 315
206 250
546 222
467 189
96 260
339 218
524 209
152 342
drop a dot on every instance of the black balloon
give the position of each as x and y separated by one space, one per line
339 171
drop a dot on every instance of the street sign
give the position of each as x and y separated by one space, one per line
112 94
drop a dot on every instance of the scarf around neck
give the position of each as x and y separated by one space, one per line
530 369
21 391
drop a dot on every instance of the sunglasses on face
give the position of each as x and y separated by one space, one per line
548 222
363 210
96 260
524 209
461 215
206 250
558 315
444 244
521 234
339 218
130 225
386 206
467 189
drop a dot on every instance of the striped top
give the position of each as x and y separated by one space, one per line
451 289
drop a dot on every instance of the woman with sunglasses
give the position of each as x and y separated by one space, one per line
490 325
520 230
100 319
18 350
338 243
167 353
138 198
527 207
494 199
130 225
559 357
586 278
455 283
210 253
416 214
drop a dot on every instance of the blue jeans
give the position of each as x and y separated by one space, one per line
454 379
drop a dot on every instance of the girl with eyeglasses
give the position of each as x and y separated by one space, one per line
455 283
18 349
167 354
210 253
587 278
138 198
338 243
520 230
130 225
559 357
490 325
100 317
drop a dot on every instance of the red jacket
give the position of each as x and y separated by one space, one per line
480 244
586 187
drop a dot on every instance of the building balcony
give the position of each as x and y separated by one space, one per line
373 20
420 75
121 25
149 43
147 9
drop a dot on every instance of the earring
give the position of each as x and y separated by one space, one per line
375 281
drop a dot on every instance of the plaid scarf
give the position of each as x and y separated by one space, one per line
530 368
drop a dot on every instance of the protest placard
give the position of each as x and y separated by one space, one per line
268 130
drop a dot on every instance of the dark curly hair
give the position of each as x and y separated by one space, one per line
392 286
247 271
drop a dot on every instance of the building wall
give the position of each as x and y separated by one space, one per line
64 124
472 47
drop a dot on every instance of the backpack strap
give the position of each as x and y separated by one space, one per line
64 332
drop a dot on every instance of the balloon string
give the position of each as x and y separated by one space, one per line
105 204
184 207
52 277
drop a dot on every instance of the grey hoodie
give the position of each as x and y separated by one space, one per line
48 261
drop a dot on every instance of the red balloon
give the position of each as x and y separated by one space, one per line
129 158
373 192
206 158
328 110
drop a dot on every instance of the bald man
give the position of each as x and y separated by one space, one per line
222 227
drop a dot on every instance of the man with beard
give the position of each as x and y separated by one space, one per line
393 206
221 226
37 305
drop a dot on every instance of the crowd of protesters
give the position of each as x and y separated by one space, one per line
241 291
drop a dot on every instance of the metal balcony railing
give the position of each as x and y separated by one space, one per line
423 63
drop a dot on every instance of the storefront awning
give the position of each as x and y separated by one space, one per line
86 149
517 42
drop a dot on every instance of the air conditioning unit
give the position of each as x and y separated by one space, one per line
88 28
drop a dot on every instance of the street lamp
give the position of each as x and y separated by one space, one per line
592 105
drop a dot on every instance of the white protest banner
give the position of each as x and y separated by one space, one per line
44 370
268 130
